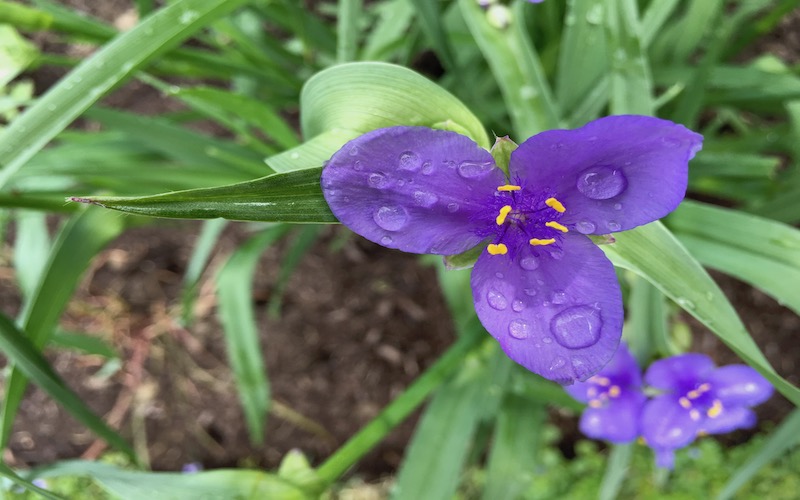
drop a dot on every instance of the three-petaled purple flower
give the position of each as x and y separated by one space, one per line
615 399
541 287
698 399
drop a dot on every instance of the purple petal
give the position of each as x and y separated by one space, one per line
739 385
729 419
622 371
665 424
557 312
612 174
411 188
618 422
679 373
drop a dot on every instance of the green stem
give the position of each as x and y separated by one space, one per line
397 411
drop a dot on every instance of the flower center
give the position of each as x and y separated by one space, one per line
524 218
698 400
601 391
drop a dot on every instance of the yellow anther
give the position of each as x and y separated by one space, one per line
715 409
503 214
603 381
592 392
595 403
695 415
685 403
704 388
702 433
555 205
642 440
537 241
556 225
508 187
614 391
499 249
694 394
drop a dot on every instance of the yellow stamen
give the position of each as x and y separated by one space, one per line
685 403
592 392
537 241
702 433
597 379
715 409
614 391
595 403
499 249
556 225
693 394
704 387
695 415
641 440
555 205
508 187
503 214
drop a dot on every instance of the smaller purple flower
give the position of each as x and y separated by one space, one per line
615 399
191 468
698 399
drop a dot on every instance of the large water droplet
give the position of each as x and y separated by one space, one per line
377 180
601 182
425 199
519 329
472 169
585 227
496 300
409 160
518 306
452 207
577 327
559 362
529 263
391 218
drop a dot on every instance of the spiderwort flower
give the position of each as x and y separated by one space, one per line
614 398
699 399
541 287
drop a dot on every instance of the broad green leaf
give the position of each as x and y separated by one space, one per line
82 237
360 97
655 254
28 360
762 252
312 153
700 17
236 312
95 76
618 462
215 484
785 437
515 448
631 85
290 197
516 67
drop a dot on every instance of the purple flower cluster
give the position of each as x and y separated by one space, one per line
541 287
694 398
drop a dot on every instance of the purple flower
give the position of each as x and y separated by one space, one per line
191 468
615 399
541 287
698 398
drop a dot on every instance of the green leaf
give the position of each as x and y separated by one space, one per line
16 53
235 295
655 254
618 463
215 484
348 29
30 249
646 327
431 21
28 360
96 75
359 97
761 252
197 263
631 85
290 197
82 237
294 255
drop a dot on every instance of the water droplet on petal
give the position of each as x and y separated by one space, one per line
557 254
530 292
353 151
358 165
425 199
386 240
613 225
559 362
409 160
499 275
377 180
518 306
519 329
472 169
427 168
671 142
580 367
496 300
529 263
559 297
617 206
585 227
577 327
391 218
601 182
452 207
547 340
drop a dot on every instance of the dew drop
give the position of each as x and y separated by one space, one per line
519 329
425 199
547 340
601 182
401 182
386 240
518 306
358 165
530 292
529 263
559 297
685 303
353 151
499 275
427 168
577 327
617 206
557 254
496 300
377 180
671 142
452 207
585 227
472 169
409 160
613 226
559 362
391 218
